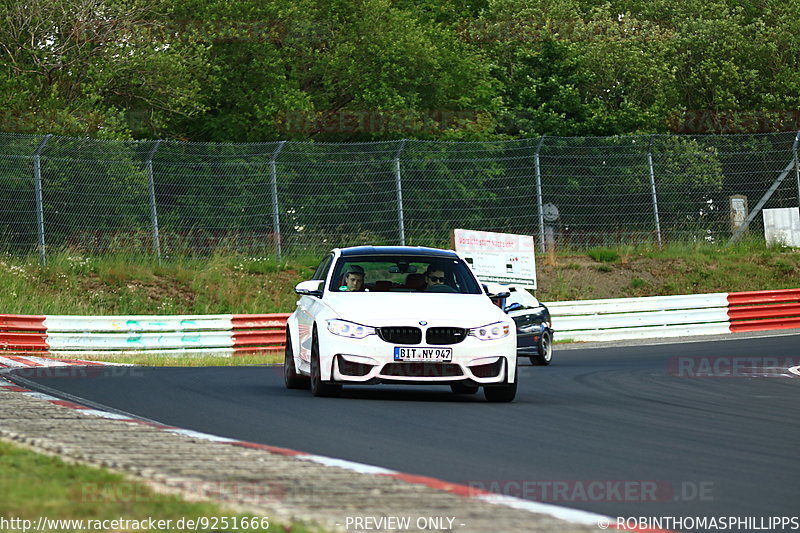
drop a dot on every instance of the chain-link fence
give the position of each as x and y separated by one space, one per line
172 198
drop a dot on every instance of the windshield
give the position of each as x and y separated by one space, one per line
397 273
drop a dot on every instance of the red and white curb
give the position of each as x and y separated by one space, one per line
32 361
8 364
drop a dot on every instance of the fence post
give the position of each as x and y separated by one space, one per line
539 203
152 189
653 188
767 195
37 177
797 167
399 190
276 219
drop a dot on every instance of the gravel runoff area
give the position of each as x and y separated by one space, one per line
266 483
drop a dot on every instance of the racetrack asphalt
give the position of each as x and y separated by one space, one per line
661 430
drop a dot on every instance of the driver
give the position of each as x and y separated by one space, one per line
434 275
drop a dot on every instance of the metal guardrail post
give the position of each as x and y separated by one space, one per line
767 195
797 166
539 202
37 176
276 219
152 190
399 192
653 188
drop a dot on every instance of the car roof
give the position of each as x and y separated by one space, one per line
421 251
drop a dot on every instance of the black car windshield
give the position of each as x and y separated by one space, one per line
398 273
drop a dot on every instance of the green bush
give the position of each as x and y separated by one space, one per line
604 255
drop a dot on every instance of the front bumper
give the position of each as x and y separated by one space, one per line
371 360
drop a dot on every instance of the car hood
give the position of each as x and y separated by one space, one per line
387 309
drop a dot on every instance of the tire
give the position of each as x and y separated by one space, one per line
545 346
464 388
291 378
502 394
319 387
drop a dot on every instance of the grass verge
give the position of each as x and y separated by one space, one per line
677 268
34 485
72 284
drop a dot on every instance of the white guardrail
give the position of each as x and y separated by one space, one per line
580 320
641 318
138 333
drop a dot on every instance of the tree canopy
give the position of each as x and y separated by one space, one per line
266 70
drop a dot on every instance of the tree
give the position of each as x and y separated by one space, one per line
339 71
568 68
108 68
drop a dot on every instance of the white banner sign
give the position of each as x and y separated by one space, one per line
498 257
782 226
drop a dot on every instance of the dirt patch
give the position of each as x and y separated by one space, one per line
158 290
162 288
580 277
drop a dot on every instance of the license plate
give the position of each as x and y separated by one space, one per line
422 353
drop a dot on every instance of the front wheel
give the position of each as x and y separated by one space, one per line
319 387
291 378
545 348
502 394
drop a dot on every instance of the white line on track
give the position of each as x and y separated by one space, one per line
348 465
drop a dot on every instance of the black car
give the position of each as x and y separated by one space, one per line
534 326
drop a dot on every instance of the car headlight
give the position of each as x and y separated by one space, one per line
533 328
343 328
498 330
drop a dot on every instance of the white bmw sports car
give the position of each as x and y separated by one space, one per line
397 314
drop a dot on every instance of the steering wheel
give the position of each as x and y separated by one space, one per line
440 288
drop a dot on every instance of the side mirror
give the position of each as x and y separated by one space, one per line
513 307
497 294
496 291
309 288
